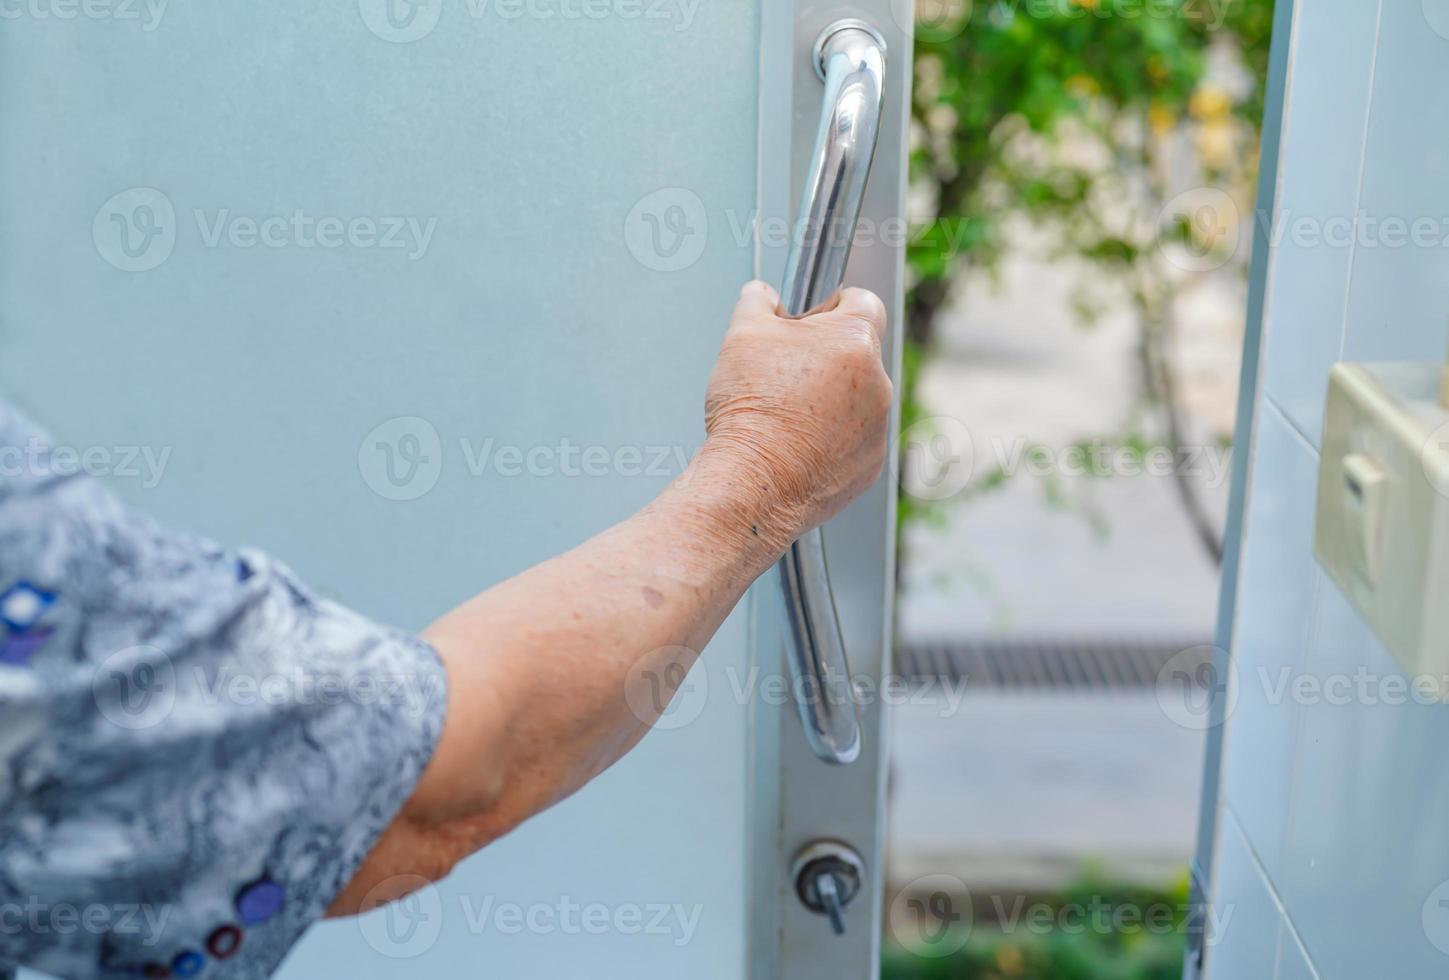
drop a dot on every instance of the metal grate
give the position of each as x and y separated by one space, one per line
1065 665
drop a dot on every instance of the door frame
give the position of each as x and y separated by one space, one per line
797 798
1269 177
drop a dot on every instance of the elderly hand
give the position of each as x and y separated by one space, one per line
803 406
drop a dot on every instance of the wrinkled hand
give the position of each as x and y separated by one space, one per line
802 405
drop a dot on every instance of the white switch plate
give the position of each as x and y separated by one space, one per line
1383 509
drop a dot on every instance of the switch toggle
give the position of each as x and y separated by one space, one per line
1365 484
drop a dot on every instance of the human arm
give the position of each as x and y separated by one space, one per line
545 669
199 756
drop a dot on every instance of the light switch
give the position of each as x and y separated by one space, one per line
1364 486
1383 508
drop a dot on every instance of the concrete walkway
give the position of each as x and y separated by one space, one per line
1021 792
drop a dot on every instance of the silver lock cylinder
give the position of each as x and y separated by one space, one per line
828 876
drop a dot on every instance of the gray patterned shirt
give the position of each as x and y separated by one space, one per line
196 753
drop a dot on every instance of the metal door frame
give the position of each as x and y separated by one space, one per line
796 798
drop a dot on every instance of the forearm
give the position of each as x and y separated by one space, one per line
540 668
557 645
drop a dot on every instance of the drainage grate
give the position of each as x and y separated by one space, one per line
1065 665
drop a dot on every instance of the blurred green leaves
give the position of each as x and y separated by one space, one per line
1083 115
1084 68
1011 951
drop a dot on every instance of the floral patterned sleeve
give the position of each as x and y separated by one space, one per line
196 753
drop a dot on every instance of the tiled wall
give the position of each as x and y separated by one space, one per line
1333 842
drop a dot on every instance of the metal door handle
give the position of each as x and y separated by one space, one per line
850 58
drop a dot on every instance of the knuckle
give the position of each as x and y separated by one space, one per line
862 323
868 308
855 360
852 321
859 357
885 395
881 456
875 308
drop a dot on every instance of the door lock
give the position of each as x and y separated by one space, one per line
828 876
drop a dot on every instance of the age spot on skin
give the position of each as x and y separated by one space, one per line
654 597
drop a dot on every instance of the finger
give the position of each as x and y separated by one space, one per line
757 299
864 305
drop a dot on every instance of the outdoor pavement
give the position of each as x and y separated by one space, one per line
1024 792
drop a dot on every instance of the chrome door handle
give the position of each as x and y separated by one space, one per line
850 58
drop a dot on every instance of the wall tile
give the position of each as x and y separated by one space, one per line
1276 602
1367 847
1246 918
1399 305
1333 53
1293 962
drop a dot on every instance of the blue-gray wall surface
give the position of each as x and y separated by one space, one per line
1332 850
526 150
